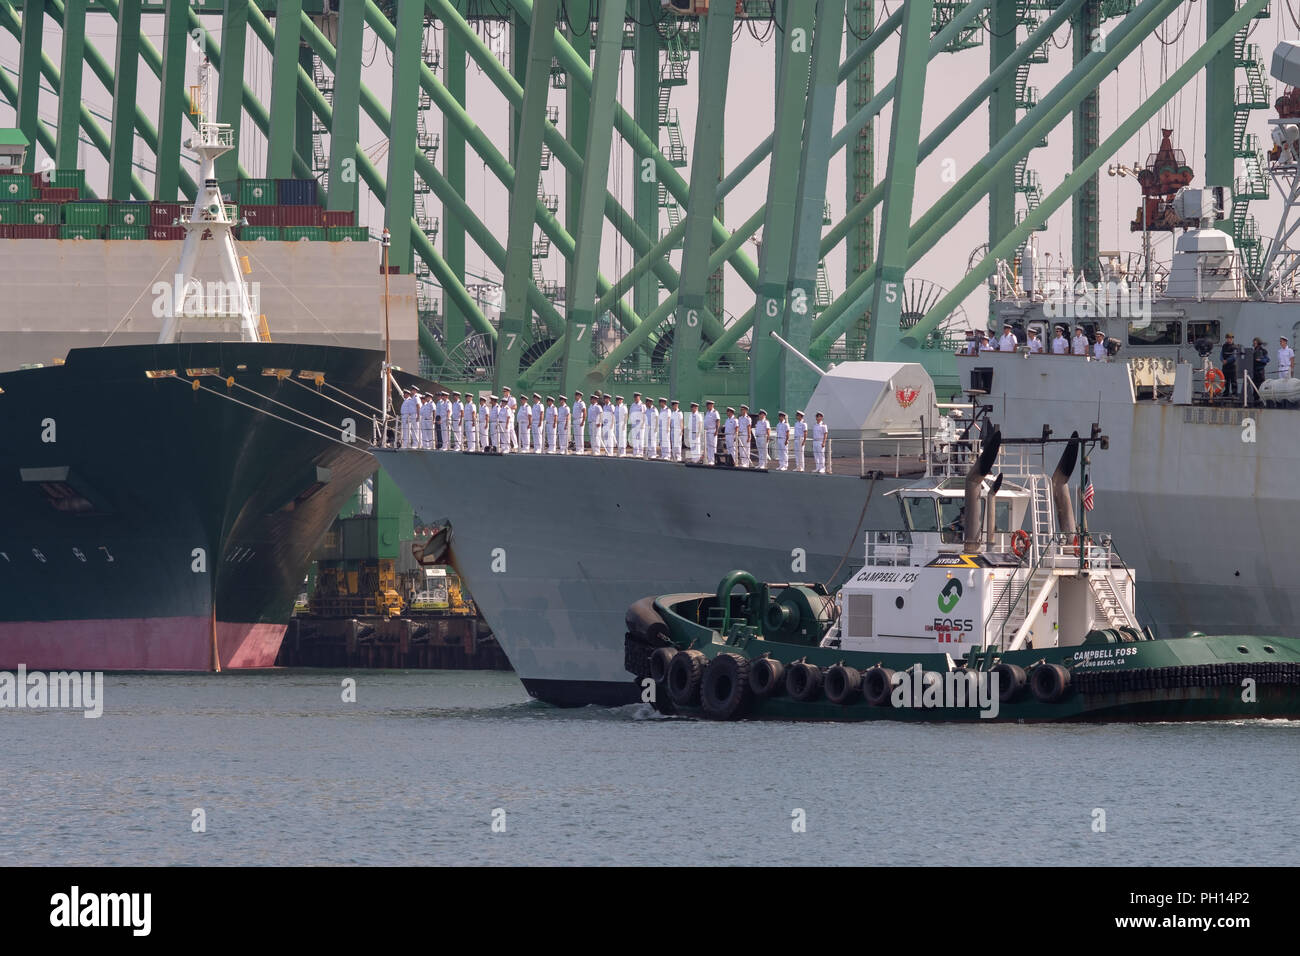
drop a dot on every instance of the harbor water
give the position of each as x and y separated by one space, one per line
461 767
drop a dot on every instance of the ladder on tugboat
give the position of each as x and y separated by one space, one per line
1109 603
1041 515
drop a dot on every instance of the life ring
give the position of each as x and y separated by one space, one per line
1213 382
1020 543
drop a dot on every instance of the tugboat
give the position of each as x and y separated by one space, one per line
991 605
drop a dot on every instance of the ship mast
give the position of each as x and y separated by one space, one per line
208 218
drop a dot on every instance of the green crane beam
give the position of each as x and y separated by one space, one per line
1086 203
230 79
345 128
645 191
74 46
126 72
29 76
515 314
706 160
1002 114
280 140
453 165
408 58
971 187
1220 90
1104 153
171 101
591 193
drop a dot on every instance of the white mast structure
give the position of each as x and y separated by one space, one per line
209 216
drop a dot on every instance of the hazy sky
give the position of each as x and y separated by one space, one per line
749 119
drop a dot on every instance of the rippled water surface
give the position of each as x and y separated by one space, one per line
419 767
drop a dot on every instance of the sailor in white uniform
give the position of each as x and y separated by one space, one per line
694 434
675 426
490 422
594 415
512 409
607 424
636 425
710 433
744 431
1035 342
579 422
539 411
428 411
563 422
665 431
1079 344
457 422
1285 358
524 422
761 429
548 426
729 434
469 423
1060 344
1099 346
1008 342
620 426
782 441
443 411
819 436
410 420
800 436
651 430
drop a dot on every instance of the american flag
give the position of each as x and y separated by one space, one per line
1087 496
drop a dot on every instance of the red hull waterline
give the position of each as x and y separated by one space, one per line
138 644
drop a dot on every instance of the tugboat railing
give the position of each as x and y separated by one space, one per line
1061 551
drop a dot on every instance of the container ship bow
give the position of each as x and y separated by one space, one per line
158 503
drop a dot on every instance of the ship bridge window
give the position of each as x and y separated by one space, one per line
1155 333
1203 330
920 513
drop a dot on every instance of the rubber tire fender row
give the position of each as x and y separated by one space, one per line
1011 680
660 661
767 677
725 693
684 676
1049 682
877 685
843 684
803 681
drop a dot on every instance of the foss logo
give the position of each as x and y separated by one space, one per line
947 600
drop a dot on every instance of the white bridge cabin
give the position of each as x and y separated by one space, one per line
1021 578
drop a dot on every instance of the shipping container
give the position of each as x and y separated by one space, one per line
304 233
128 232
11 213
262 215
66 179
166 232
54 194
81 231
349 234
35 232
7 232
296 192
260 233
16 188
85 213
40 213
338 217
257 192
299 216
164 213
129 214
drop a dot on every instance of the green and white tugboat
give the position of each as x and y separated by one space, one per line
1017 615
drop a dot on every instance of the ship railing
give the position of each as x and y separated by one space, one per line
953 458
1082 551
889 549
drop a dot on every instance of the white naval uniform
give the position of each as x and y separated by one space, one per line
470 424
620 428
579 425
1008 342
729 435
819 431
665 434
782 445
652 431
744 425
593 427
427 411
539 410
694 436
1285 361
458 425
761 429
800 433
1079 345
1060 345
1035 346
508 436
410 423
636 427
525 427
550 422
488 426
562 417
444 424
675 433
711 436
607 427
1099 350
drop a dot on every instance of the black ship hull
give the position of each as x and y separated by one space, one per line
146 524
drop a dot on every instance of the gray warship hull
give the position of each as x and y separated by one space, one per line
555 548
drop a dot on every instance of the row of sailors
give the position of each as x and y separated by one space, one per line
638 430
1098 348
